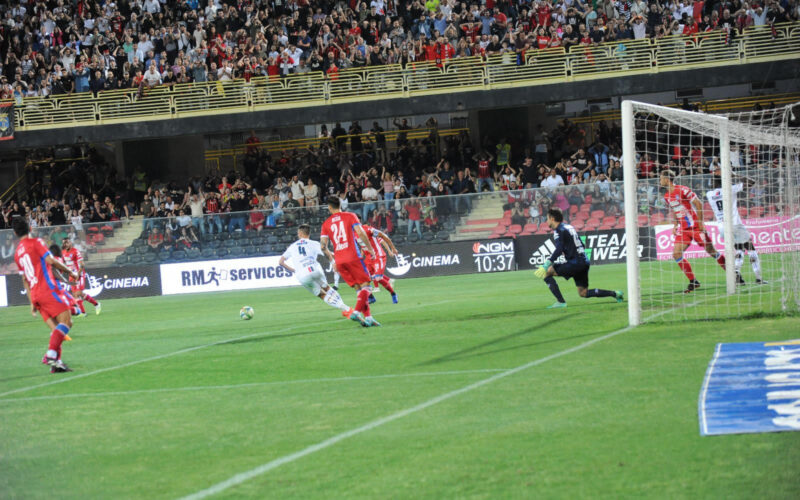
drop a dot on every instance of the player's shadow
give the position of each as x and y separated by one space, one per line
9 379
267 336
494 315
473 351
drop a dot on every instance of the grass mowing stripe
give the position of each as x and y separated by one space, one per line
705 389
261 469
190 349
251 384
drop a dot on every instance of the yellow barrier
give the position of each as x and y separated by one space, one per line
611 60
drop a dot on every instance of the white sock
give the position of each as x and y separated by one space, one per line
755 262
336 279
333 299
739 260
52 354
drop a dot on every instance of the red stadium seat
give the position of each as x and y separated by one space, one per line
756 212
514 229
592 224
642 221
598 214
610 219
530 228
573 209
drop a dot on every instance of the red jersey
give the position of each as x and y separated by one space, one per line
543 12
680 201
483 169
30 258
212 205
340 228
374 236
73 259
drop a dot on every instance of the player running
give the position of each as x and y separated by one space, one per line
742 240
63 282
377 266
303 255
576 266
34 262
74 260
342 228
687 211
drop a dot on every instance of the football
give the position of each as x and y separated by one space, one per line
246 312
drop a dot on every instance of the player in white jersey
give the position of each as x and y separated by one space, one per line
302 261
742 241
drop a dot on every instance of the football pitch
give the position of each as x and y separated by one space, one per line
470 389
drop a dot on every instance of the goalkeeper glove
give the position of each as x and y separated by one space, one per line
542 271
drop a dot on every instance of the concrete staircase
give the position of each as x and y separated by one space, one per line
115 245
486 213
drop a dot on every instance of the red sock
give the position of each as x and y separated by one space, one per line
57 337
686 268
362 303
90 299
721 259
385 283
80 306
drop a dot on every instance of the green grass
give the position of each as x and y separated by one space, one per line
617 418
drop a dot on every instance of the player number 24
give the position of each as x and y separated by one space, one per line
339 236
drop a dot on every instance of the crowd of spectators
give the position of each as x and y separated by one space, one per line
63 46
403 189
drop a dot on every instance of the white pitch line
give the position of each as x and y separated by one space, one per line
189 349
704 392
251 384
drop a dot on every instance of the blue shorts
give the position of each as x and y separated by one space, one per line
579 271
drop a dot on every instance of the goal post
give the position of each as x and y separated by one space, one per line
746 165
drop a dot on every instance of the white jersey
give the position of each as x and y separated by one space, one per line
715 200
302 254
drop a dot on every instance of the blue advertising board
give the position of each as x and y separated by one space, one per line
751 387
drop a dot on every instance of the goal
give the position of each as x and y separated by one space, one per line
744 169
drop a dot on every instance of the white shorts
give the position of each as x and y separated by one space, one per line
314 282
740 234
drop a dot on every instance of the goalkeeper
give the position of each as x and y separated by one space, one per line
569 244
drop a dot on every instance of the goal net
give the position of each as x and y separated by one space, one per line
713 202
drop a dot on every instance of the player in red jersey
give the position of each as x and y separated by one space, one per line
34 262
63 282
377 266
74 260
342 228
687 211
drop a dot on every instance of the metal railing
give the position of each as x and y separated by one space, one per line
609 60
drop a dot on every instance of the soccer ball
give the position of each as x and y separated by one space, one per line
246 312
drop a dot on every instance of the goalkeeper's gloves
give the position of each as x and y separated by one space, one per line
542 271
